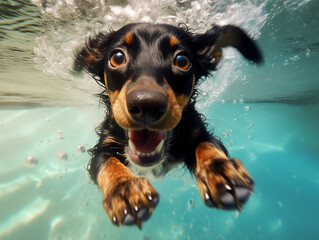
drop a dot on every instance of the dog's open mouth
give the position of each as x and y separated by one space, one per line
146 147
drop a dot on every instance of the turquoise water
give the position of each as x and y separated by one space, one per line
266 116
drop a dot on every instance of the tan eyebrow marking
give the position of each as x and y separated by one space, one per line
173 41
128 38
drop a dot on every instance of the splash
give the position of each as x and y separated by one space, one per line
73 21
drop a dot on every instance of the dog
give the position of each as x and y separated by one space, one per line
150 73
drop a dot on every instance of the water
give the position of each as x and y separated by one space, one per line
266 116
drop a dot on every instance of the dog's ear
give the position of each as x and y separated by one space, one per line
92 56
209 45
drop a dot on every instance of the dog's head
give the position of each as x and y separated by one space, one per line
150 72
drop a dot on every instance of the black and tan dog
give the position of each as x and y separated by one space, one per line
150 73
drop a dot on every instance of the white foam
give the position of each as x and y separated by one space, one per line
72 21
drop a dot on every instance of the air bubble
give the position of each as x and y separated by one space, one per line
191 205
80 148
294 58
308 52
30 161
59 131
62 155
247 108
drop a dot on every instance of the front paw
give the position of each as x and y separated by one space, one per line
130 201
224 183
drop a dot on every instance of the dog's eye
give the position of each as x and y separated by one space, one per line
182 62
117 59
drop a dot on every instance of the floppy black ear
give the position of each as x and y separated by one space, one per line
92 56
209 45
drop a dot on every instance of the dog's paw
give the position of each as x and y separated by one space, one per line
224 183
131 201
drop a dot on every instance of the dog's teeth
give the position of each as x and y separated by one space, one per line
131 145
149 154
159 146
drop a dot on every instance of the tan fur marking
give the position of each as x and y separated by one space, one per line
205 151
119 107
217 56
205 155
105 79
173 41
183 99
110 139
112 95
128 38
217 52
90 57
110 173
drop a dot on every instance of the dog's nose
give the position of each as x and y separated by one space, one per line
146 106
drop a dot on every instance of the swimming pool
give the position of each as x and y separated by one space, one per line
266 116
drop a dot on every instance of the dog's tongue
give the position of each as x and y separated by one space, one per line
146 140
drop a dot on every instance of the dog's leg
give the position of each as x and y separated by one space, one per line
128 199
222 182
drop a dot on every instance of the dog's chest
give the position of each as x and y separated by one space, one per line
153 172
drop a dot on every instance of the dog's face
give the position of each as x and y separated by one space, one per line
149 76
150 72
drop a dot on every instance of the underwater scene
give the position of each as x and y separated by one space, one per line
266 115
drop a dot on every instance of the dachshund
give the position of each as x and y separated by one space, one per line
149 73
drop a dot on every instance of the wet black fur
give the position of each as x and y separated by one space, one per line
183 141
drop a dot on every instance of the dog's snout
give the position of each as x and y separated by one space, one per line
146 106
